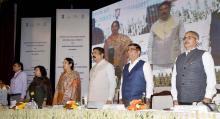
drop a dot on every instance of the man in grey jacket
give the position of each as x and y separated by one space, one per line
193 78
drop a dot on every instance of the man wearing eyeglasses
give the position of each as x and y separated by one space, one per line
193 77
137 77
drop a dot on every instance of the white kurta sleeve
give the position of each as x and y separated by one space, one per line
210 73
111 81
149 79
120 93
173 83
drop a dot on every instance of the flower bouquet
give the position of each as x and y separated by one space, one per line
137 105
20 105
71 105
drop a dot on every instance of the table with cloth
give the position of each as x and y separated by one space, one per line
103 114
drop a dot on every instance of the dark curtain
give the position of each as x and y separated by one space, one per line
7 43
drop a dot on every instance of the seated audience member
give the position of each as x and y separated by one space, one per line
40 87
68 87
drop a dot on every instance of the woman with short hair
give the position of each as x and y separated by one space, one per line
40 88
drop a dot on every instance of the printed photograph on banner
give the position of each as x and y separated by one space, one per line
141 21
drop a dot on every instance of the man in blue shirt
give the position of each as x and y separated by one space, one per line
18 85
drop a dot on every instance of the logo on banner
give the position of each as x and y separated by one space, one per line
62 16
117 13
82 16
45 24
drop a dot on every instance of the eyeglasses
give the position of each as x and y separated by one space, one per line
189 37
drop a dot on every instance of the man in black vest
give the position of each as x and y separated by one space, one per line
137 79
193 78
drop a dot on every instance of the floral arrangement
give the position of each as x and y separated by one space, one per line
71 105
20 105
137 105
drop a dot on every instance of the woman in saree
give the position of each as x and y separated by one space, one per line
68 87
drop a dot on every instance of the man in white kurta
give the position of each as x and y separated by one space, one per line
102 79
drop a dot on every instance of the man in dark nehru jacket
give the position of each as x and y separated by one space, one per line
137 79
193 78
